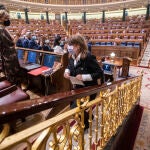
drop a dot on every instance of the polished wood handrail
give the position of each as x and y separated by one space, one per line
39 51
25 108
64 56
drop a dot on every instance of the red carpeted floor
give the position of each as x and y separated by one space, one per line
145 90
142 141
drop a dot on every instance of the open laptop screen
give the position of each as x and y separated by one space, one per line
108 68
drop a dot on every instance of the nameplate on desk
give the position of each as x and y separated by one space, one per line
38 71
108 72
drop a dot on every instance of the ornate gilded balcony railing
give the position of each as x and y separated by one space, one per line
66 131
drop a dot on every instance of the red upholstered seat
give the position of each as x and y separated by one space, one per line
12 94
4 84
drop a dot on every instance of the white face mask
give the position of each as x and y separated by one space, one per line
47 41
34 37
70 50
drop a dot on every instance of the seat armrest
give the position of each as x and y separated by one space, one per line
14 96
8 90
4 84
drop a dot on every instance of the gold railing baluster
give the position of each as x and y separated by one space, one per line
96 126
90 127
5 131
102 124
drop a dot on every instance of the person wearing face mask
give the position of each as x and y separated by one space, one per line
27 40
46 46
70 49
33 57
82 64
10 63
84 67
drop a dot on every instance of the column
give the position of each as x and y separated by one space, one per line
84 17
103 16
66 17
147 12
26 15
124 14
47 18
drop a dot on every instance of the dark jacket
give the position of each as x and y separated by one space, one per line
19 43
47 48
34 45
89 65
25 43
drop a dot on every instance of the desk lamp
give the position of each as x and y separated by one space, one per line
112 55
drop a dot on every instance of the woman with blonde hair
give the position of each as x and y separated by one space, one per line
10 64
83 66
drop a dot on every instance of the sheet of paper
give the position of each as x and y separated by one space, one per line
74 80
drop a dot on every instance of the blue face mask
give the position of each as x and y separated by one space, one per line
71 51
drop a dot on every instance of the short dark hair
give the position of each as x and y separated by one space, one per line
58 38
2 7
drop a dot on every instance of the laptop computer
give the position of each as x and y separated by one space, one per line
108 68
30 66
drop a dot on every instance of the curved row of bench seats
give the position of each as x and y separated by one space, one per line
128 44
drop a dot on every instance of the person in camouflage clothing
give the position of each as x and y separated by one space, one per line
8 54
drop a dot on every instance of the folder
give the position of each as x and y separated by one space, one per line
38 71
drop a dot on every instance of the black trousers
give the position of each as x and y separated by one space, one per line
73 104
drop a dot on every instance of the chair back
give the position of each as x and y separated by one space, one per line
129 44
125 67
123 44
49 60
20 54
32 57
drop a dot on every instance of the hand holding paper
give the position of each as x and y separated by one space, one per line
74 80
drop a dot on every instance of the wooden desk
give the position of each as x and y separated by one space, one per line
120 51
118 41
56 79
111 70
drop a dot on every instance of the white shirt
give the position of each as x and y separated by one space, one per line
85 77
58 49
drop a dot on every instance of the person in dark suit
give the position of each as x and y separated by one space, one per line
27 39
46 46
83 66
